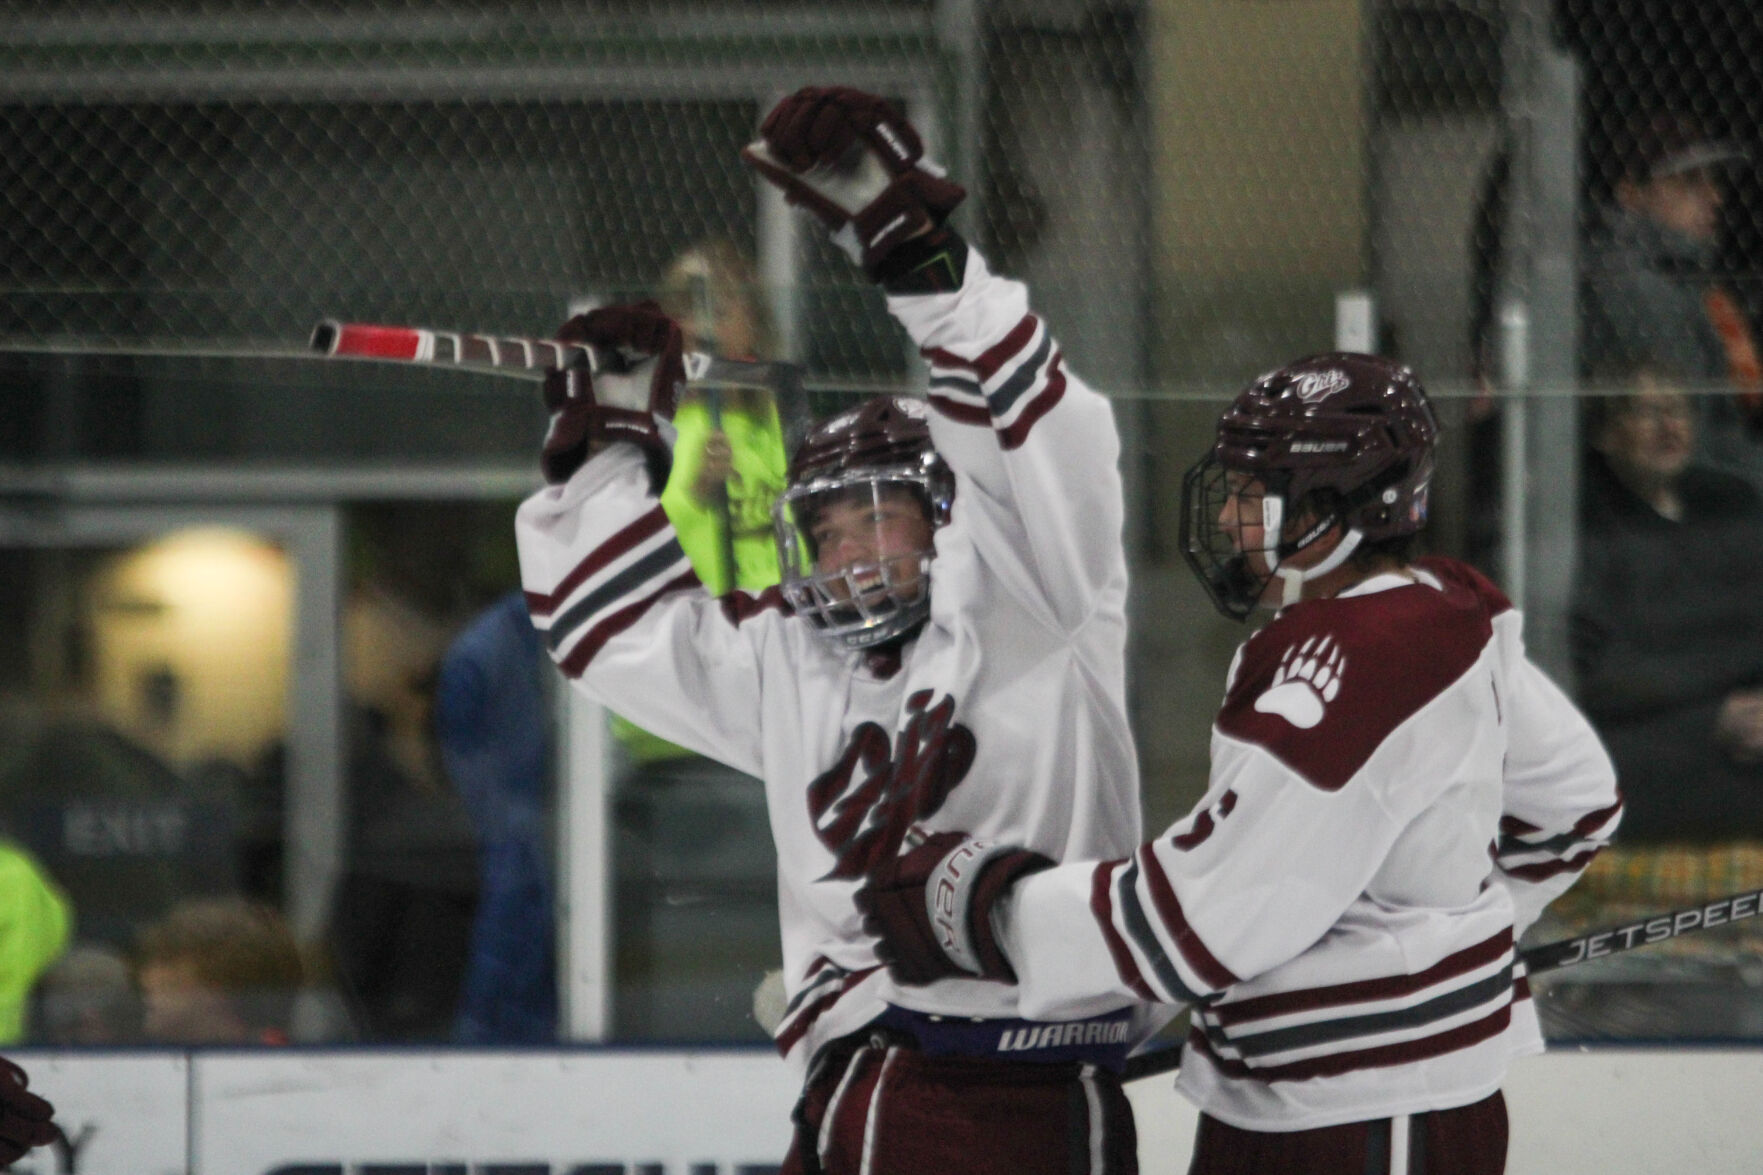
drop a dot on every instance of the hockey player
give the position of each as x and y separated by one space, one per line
1396 792
946 650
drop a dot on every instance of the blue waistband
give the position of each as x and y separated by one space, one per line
1101 1040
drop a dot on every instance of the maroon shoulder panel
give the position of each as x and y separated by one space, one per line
1325 684
1456 573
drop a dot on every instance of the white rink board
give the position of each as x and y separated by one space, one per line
616 1112
1575 1112
539 1112
125 1113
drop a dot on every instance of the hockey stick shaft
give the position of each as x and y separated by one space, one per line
1566 952
1613 940
412 344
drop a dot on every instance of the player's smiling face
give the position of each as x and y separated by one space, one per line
874 538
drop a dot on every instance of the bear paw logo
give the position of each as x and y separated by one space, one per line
1307 680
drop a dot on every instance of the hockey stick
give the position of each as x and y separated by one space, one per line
361 340
1551 956
412 344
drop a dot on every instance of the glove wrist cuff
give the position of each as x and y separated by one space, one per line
959 895
935 263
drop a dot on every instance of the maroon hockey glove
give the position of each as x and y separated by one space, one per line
850 158
632 381
26 1120
931 907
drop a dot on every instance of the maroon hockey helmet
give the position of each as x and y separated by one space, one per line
881 447
1347 437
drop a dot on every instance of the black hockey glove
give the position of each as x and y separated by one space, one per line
26 1120
631 383
931 907
849 158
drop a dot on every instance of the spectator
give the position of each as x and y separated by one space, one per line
1668 646
492 729
682 817
219 971
35 919
1667 636
401 920
729 452
1652 290
87 997
728 459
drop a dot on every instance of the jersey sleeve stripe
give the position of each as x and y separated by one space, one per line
1542 870
1445 1006
663 560
963 384
1333 1065
586 649
993 357
1102 907
1552 856
1017 432
1026 375
1175 921
1284 1003
1139 932
739 606
974 414
799 1022
1002 399
542 604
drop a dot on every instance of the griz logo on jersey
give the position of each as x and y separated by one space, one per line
864 821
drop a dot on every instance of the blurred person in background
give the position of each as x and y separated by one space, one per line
1666 635
218 971
728 456
1667 631
493 728
728 470
1653 290
87 998
403 913
36 921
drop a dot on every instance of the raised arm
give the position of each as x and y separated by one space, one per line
1038 445
607 583
1035 451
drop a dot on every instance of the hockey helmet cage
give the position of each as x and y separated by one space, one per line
1348 436
881 447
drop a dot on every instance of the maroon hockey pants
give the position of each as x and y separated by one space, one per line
1468 1140
875 1107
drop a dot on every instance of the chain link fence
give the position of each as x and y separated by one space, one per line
1196 190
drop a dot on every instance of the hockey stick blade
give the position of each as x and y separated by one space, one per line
1552 956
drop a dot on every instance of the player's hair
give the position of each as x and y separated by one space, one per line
241 947
717 271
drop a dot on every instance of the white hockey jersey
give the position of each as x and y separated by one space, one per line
1006 716
1396 793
